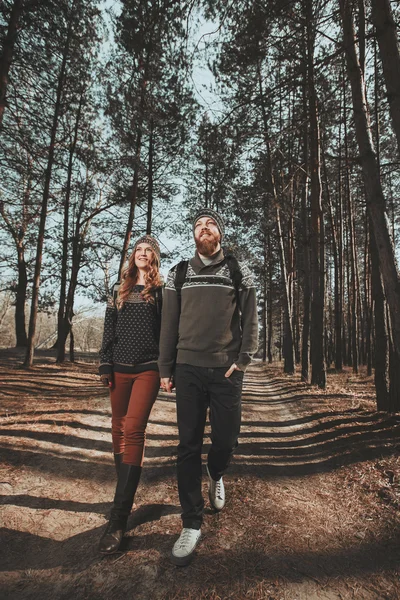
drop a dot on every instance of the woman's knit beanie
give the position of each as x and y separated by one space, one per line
148 239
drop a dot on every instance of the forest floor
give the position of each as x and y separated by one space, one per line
313 494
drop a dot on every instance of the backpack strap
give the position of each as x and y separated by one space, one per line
115 289
158 301
235 273
180 276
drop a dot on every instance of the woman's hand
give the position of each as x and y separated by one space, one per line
166 384
107 380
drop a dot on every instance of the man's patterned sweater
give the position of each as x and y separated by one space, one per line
210 330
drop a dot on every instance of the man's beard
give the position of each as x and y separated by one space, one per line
207 246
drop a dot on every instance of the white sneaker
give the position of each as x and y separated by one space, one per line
216 492
182 552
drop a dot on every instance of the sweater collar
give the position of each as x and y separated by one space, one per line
215 259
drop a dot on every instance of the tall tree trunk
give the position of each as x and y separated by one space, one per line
292 280
337 319
46 193
341 354
64 260
353 284
351 250
150 180
370 169
339 284
394 375
133 192
305 334
349 299
7 53
132 199
17 229
288 349
78 240
318 368
367 299
264 302
269 302
20 300
386 34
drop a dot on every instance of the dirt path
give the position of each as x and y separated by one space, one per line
313 495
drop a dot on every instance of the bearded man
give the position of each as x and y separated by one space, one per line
209 332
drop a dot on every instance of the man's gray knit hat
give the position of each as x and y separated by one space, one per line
209 212
148 239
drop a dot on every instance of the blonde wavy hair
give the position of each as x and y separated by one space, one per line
130 276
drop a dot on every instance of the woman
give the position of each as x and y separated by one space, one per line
128 366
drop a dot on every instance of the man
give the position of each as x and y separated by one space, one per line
207 341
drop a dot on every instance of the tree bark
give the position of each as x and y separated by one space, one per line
288 349
17 232
61 338
8 49
269 302
20 300
381 375
46 193
337 311
388 42
150 179
264 305
318 368
81 230
132 196
353 286
305 334
370 170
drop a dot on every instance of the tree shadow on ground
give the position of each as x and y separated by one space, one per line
43 503
321 442
217 569
22 550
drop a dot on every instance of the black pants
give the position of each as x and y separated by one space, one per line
196 389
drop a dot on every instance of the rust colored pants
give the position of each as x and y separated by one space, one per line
132 398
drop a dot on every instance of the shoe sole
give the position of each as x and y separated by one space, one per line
183 561
110 553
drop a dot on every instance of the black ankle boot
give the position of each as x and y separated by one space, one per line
118 461
111 539
128 480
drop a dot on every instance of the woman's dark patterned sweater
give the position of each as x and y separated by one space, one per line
130 338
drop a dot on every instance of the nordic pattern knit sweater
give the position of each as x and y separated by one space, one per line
209 331
130 338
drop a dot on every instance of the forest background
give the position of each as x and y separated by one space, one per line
105 134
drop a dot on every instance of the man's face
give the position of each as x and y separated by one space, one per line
207 236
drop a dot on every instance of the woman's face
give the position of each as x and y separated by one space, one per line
143 256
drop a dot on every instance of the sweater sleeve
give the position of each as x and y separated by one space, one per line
106 351
249 318
169 327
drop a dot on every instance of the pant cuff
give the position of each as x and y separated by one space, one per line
191 524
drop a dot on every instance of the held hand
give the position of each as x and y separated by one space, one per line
106 380
232 368
166 384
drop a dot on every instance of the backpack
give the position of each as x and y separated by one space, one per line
234 273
